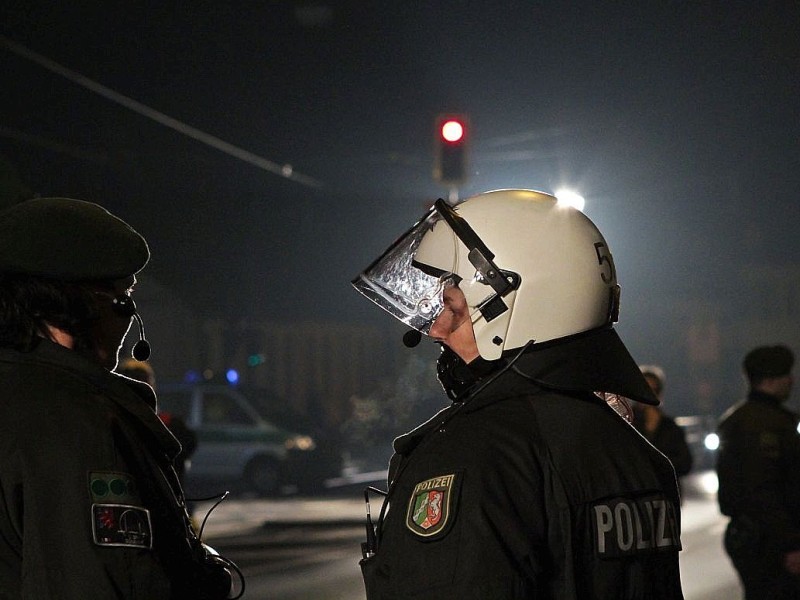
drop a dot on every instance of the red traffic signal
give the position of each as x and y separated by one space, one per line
450 160
452 131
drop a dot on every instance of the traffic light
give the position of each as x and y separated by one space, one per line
451 139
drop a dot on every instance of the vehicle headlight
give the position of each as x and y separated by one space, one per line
300 442
712 441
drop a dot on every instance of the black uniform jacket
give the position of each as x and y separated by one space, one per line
89 505
527 493
759 471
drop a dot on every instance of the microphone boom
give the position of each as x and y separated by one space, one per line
412 338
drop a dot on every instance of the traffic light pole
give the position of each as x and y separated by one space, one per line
451 139
453 197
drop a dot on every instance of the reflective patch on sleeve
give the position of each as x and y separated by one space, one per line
121 525
627 526
113 488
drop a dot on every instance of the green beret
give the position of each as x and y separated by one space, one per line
768 361
70 240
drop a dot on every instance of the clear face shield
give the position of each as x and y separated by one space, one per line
413 288
411 292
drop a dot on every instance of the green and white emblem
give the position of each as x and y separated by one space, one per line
430 506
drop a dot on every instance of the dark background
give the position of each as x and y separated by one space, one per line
677 120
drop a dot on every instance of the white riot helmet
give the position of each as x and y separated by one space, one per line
530 270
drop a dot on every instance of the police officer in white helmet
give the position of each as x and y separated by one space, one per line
530 485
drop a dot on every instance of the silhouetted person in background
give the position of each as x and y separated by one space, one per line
759 479
660 429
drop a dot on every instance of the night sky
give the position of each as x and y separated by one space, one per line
678 122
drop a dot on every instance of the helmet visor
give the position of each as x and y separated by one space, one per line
409 291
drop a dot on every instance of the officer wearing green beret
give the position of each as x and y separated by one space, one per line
759 479
90 506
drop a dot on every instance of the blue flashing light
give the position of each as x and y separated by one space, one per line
192 377
232 375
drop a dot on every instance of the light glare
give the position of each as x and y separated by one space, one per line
709 482
711 441
570 198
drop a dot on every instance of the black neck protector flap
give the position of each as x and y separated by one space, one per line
593 361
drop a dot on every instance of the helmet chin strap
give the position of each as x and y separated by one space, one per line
502 282
482 259
491 335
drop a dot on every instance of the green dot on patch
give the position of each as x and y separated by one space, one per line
118 487
99 487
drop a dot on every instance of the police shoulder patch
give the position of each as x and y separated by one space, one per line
117 512
122 526
624 526
432 506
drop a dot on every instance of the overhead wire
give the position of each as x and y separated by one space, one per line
285 171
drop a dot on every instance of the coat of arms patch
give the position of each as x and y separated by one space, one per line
430 506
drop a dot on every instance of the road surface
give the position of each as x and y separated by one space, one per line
298 549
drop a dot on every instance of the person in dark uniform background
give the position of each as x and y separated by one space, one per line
758 466
660 429
529 485
90 507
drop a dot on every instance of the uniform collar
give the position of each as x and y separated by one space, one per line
596 361
763 397
498 387
133 397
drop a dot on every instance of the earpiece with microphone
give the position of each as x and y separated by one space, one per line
141 349
412 338
125 306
